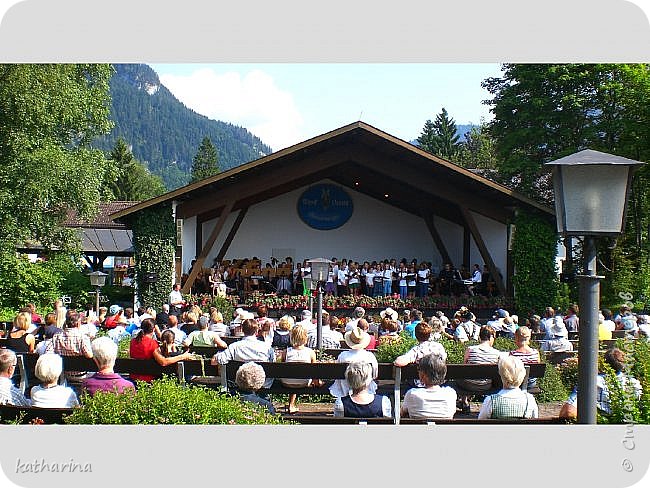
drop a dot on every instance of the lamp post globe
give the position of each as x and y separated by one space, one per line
98 280
319 270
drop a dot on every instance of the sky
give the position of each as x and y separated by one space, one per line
284 104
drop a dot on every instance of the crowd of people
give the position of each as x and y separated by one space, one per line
348 277
165 337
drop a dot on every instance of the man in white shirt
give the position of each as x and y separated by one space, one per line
176 300
247 349
477 277
305 321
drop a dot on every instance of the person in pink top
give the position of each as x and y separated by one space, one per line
105 354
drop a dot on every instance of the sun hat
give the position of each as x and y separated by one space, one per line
114 309
305 314
359 312
558 329
501 313
243 315
357 338
390 313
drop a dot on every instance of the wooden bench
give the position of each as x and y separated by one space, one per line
559 357
324 371
465 372
123 366
11 413
329 419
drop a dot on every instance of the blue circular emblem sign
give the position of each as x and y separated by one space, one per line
325 206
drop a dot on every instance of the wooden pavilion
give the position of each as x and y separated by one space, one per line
404 198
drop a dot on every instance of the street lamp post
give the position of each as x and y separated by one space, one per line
98 280
591 191
319 269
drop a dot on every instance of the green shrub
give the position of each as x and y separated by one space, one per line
569 374
534 248
638 365
622 400
165 401
551 385
225 306
504 344
455 350
123 347
388 351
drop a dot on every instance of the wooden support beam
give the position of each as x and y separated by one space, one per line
435 235
200 259
231 235
470 223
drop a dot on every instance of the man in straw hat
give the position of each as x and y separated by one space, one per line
357 340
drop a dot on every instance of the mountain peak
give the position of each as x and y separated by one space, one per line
139 76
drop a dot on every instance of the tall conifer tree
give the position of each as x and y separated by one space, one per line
206 161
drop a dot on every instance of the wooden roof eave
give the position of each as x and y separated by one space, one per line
315 144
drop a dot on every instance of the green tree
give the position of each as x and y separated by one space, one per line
133 182
206 161
49 113
427 137
478 150
439 137
545 111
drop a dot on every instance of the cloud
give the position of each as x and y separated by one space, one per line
252 101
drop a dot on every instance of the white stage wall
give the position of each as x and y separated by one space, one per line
375 230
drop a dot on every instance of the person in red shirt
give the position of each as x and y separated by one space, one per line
145 346
116 317
36 318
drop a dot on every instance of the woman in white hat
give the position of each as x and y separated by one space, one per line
559 341
357 340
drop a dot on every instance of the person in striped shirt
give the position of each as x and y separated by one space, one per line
524 352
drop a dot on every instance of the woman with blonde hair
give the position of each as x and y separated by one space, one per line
281 336
60 316
524 352
298 352
216 322
19 340
511 401
191 324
